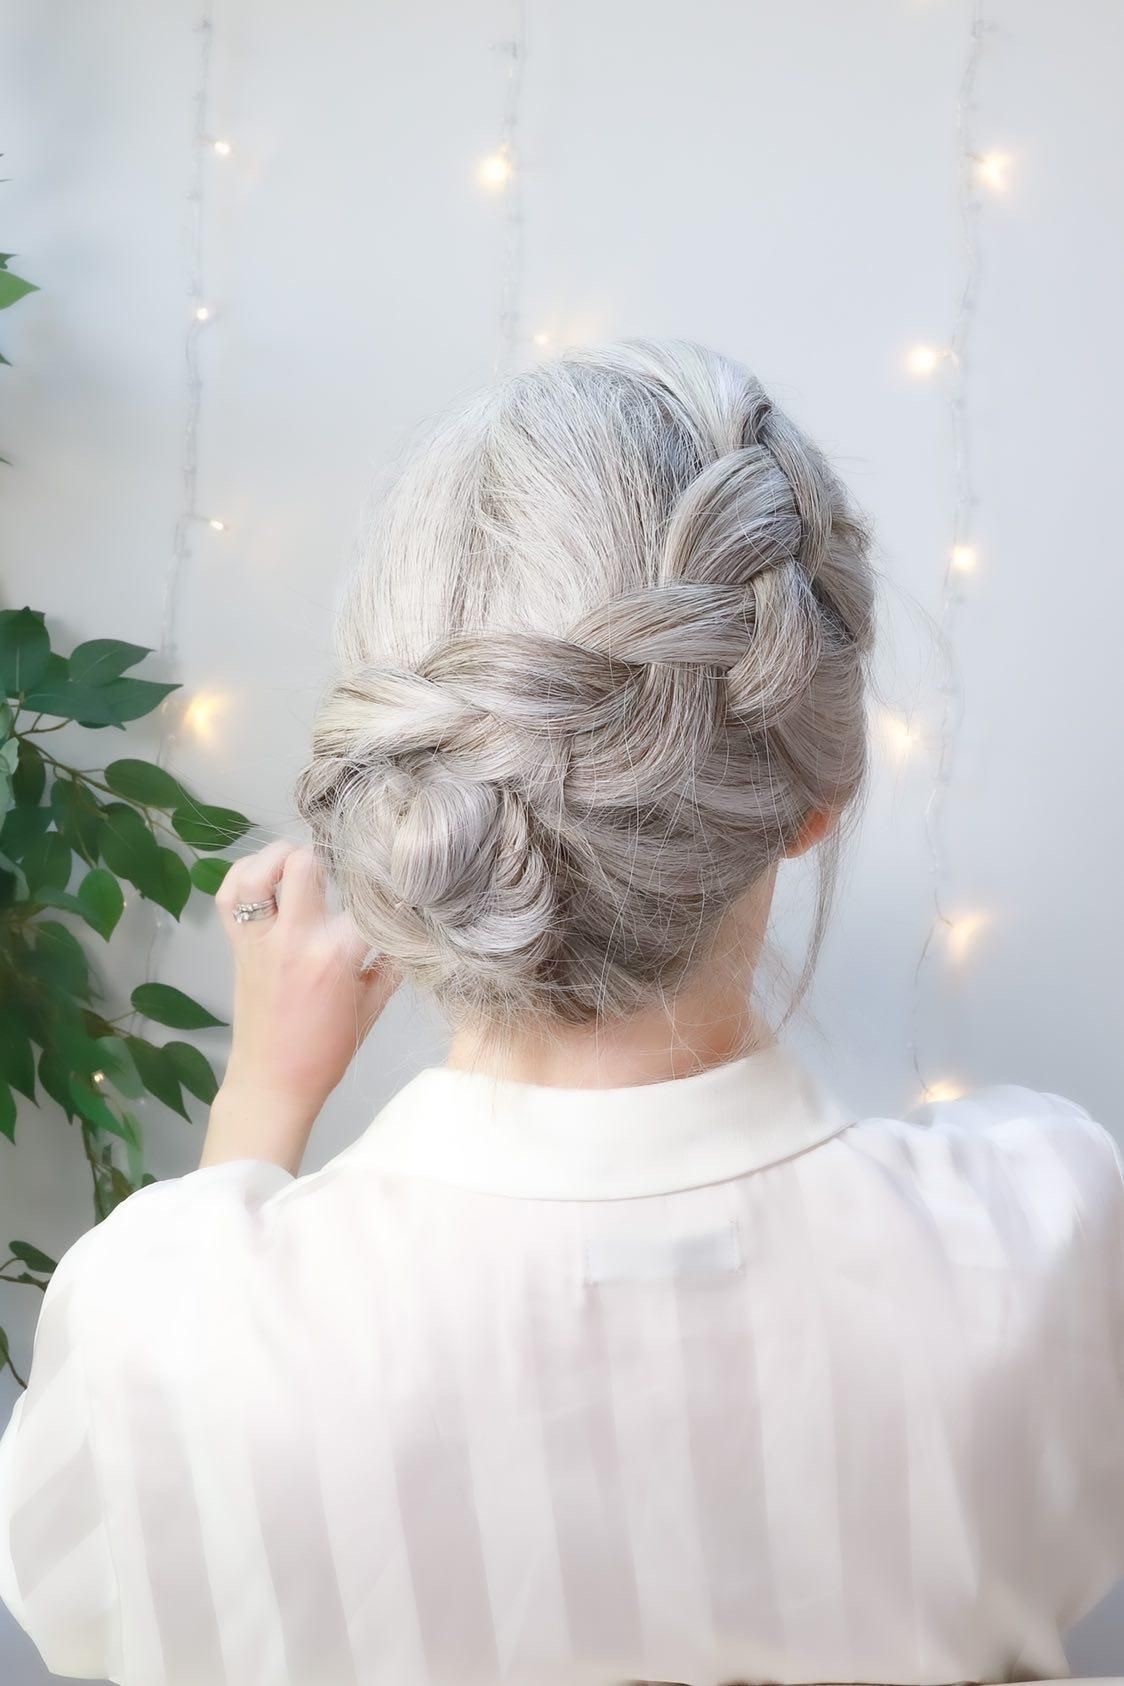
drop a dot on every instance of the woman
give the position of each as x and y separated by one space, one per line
615 1348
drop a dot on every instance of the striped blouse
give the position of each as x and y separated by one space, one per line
699 1381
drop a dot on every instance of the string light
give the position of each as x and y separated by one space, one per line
205 146
901 736
216 525
962 557
201 713
991 169
501 173
495 171
944 1091
541 338
924 360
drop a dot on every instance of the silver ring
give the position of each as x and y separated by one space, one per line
245 911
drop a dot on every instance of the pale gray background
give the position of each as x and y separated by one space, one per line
778 179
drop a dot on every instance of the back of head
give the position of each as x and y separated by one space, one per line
605 654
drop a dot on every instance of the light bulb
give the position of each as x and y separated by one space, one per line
944 1091
222 147
495 171
202 314
962 931
922 360
992 169
963 558
200 714
99 1077
216 525
901 737
541 338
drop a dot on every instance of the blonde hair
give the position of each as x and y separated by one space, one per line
605 654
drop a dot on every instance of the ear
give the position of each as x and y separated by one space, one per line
816 828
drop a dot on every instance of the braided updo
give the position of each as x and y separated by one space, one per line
605 655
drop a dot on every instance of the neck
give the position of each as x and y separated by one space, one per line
709 1023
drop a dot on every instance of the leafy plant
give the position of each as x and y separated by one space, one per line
71 838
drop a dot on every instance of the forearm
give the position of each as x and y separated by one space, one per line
251 1120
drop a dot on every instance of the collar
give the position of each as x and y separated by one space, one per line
498 1135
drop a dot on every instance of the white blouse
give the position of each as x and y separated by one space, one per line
697 1381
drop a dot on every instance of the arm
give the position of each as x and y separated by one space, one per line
303 1003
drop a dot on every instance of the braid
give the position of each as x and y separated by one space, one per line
501 805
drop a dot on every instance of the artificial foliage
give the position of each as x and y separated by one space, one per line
74 841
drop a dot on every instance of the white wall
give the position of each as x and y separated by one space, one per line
777 177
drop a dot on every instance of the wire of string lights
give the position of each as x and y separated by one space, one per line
976 172
205 150
502 172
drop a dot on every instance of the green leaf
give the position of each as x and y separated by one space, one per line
54 1077
112 704
101 901
158 1074
21 828
119 1066
47 863
127 846
24 650
193 1070
13 287
77 814
59 958
175 882
208 875
58 898
144 782
30 776
13 883
209 828
102 659
17 1061
7 1113
166 1005
7 719
9 754
92 1107
7 797
134 1150
32 1257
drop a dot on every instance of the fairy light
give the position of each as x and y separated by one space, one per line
992 169
495 171
500 173
541 338
944 1091
201 714
924 360
975 171
206 148
901 736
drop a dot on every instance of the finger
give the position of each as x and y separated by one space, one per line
303 897
255 877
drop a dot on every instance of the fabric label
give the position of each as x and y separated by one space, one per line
627 1258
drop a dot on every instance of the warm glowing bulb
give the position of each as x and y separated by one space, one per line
222 147
200 714
99 1076
922 360
963 558
542 338
216 525
961 932
202 314
901 737
942 1092
495 171
992 170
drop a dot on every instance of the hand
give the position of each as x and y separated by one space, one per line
302 1007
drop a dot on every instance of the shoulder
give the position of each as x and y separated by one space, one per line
1022 1156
